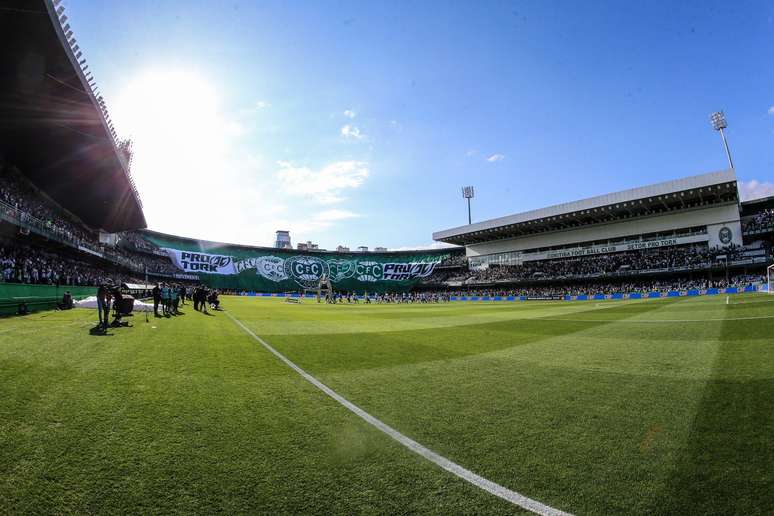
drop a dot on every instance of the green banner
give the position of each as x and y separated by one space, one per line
260 269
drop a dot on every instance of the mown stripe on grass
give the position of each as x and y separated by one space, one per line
452 467
638 321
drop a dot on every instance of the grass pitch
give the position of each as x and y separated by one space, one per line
658 406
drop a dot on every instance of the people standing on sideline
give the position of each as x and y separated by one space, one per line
174 293
203 299
213 300
156 299
165 300
103 305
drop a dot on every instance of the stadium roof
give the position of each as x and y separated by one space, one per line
754 206
51 124
687 192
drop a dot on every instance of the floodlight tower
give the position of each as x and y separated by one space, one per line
718 120
468 193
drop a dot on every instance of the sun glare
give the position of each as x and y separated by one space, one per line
168 111
178 131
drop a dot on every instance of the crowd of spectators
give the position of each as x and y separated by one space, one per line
690 257
150 262
592 287
454 260
133 240
22 198
26 264
762 220
20 263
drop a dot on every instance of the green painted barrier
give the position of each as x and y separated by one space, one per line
37 297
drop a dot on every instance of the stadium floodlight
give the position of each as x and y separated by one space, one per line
468 193
719 123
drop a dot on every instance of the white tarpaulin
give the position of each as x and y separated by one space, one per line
91 302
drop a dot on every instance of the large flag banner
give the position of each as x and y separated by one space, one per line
188 261
274 270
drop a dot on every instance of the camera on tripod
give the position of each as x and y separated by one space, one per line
123 306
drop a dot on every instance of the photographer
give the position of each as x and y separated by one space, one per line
103 305
117 305
67 301
213 300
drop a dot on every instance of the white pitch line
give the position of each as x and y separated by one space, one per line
452 467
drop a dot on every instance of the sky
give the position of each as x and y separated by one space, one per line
357 123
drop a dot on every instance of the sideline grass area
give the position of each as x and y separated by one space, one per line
660 406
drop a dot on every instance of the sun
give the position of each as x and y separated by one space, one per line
164 110
179 133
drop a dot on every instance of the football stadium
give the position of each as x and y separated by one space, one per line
611 354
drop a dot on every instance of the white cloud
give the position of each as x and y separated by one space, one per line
349 113
186 146
755 189
495 158
771 110
233 128
325 185
305 228
352 132
334 215
261 104
471 152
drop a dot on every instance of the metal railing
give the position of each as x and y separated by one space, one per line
50 231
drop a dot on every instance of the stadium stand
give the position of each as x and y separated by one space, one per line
54 125
73 218
626 263
691 233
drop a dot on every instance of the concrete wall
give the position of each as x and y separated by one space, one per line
38 297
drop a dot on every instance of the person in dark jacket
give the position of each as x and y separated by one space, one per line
156 299
103 305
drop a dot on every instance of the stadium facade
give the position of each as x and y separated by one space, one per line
702 209
71 217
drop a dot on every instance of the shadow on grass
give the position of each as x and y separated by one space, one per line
324 353
99 331
727 465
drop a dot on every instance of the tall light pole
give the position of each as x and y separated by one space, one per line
468 193
718 120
